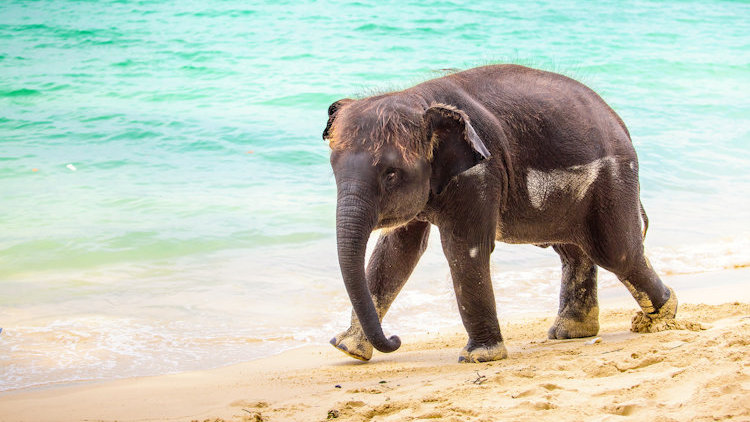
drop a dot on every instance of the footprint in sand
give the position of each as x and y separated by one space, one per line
525 393
550 387
254 404
602 369
622 409
431 415
354 404
538 405
651 360
384 410
433 399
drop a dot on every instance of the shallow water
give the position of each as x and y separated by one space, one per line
197 228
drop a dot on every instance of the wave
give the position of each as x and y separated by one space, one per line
23 92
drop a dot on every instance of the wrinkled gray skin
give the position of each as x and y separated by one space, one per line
497 153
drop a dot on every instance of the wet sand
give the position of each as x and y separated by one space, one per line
665 376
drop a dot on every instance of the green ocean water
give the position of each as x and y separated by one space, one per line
164 190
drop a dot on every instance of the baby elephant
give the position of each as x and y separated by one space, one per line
496 153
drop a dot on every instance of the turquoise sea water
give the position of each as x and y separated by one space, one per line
166 201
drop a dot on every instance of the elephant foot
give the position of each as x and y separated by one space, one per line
566 327
663 319
354 343
476 353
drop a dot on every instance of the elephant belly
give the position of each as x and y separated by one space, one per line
550 206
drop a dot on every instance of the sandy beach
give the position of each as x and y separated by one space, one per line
665 376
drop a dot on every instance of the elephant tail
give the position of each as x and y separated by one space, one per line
644 217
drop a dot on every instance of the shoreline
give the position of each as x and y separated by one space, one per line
157 329
703 374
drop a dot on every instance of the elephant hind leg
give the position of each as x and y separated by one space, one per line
617 245
658 301
578 314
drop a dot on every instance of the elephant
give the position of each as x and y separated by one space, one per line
495 153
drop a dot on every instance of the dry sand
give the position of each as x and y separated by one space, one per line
664 376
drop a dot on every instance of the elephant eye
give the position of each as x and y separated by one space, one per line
391 177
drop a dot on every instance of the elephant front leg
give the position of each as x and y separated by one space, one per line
469 259
353 341
578 315
393 259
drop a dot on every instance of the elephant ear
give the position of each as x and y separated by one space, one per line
454 144
332 110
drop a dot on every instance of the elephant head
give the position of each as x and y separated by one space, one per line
390 153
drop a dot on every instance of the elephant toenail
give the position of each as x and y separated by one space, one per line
461 359
333 341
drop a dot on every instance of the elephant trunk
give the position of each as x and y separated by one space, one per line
356 217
